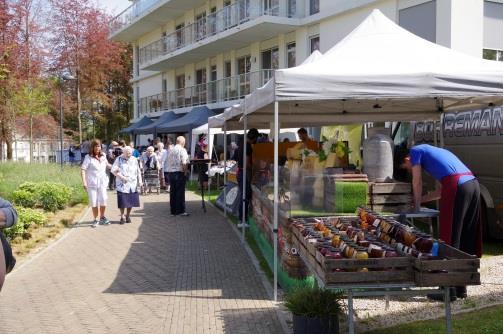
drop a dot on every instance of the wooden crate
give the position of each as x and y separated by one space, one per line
390 197
384 270
455 269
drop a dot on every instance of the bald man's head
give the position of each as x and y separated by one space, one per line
180 140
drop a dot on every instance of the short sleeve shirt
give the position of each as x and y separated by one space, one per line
438 162
164 159
177 157
131 170
95 167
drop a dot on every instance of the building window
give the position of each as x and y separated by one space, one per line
270 59
137 61
200 26
292 8
290 55
180 35
244 67
314 43
314 7
227 69
138 104
491 54
271 7
180 91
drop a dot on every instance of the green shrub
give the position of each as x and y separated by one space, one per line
53 196
24 198
28 186
312 301
14 231
27 217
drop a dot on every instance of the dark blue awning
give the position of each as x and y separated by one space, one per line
196 117
142 122
164 120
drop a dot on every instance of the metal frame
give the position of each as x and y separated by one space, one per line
406 289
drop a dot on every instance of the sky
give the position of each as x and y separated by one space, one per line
114 7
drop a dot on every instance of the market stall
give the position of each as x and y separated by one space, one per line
151 128
406 79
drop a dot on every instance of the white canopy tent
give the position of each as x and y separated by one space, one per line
405 78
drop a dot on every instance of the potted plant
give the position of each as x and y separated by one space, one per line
315 310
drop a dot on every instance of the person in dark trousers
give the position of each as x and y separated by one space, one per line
111 159
459 196
8 217
177 163
251 138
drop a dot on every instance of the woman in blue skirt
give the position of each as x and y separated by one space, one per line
128 179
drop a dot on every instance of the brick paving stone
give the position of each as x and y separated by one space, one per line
160 274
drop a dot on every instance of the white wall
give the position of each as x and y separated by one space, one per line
151 86
334 29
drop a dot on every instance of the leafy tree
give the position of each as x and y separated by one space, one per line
32 99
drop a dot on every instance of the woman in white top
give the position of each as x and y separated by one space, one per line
128 179
95 181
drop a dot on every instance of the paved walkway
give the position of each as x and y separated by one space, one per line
160 274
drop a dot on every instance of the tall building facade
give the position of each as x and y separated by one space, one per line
213 52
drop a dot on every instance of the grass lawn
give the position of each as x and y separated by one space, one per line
485 321
12 174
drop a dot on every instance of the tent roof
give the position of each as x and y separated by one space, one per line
142 122
404 78
165 119
196 117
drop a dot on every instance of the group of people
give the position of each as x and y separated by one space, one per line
122 168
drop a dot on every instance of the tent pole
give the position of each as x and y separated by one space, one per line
243 180
441 134
435 134
225 169
209 147
276 197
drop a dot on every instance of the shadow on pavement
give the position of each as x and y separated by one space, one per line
198 256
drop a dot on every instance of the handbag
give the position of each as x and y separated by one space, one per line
10 260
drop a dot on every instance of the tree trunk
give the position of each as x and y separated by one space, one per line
79 107
8 142
31 137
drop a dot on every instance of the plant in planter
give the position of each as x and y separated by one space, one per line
315 310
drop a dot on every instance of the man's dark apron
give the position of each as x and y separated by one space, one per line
447 201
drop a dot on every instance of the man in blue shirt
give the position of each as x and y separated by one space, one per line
459 196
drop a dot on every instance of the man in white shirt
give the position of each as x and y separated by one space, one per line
164 166
177 162
160 152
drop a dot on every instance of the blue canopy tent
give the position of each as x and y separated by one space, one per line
142 122
196 117
152 128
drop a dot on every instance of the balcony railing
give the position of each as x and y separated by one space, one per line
228 17
130 14
227 89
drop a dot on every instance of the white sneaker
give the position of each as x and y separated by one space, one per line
240 225
95 224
